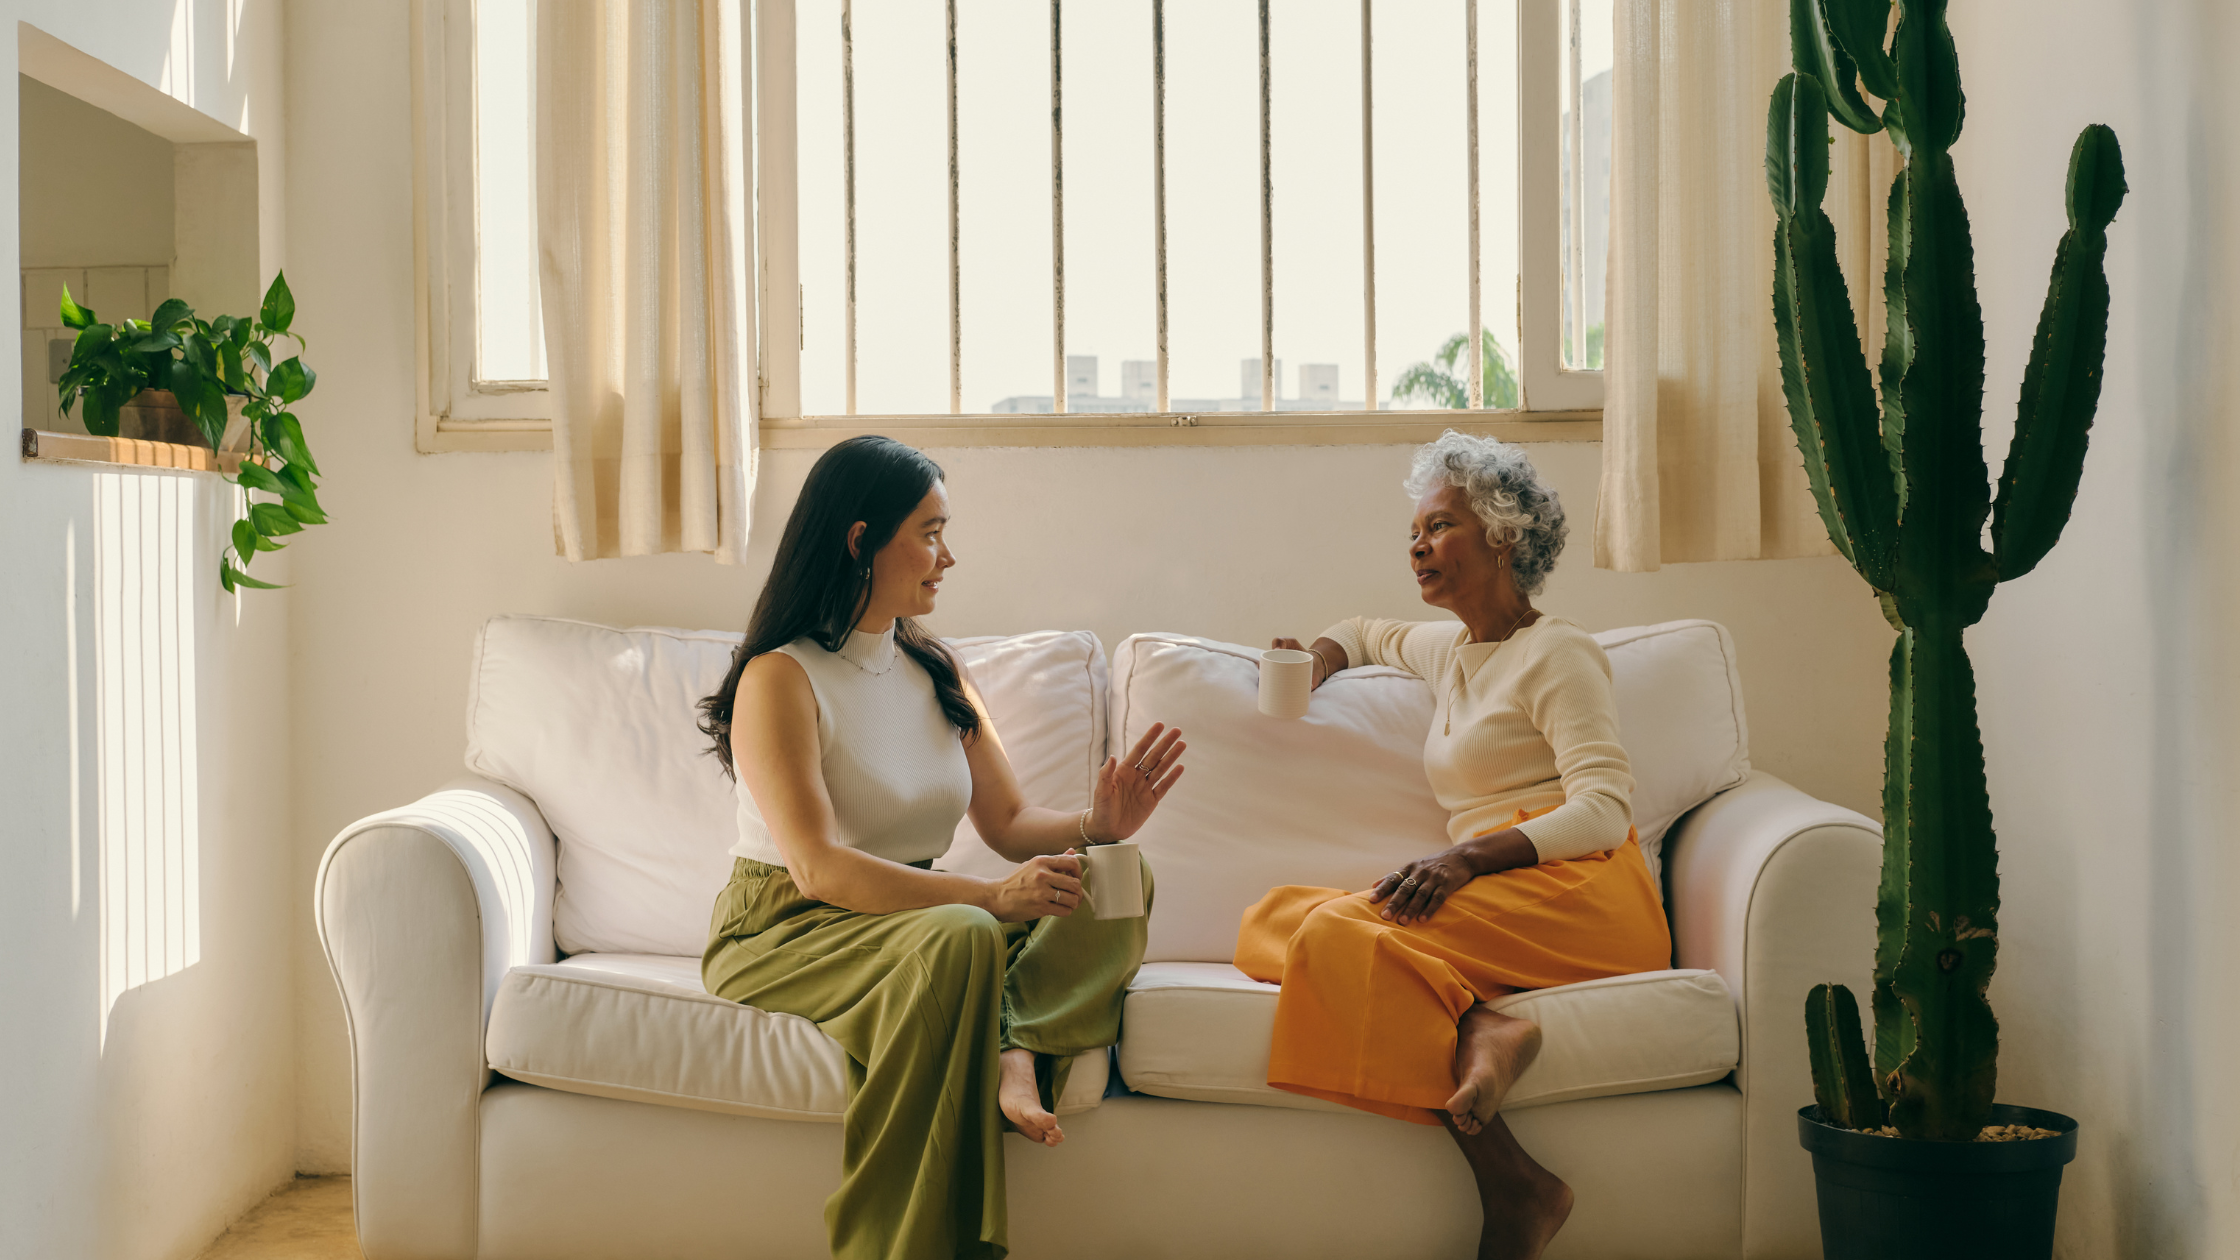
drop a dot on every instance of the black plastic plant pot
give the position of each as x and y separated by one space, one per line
1885 1197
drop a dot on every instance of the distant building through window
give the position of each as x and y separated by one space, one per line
1317 391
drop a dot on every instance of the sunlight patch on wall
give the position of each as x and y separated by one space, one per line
177 76
145 765
237 12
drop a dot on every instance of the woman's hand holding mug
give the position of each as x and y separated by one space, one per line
1323 665
1041 886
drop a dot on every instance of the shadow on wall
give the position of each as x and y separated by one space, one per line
144 795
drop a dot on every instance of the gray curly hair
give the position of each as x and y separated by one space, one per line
1506 493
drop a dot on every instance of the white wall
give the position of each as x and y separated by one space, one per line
95 200
95 190
2105 677
1239 544
146 1066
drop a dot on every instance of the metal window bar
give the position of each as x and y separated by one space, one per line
1368 220
1575 192
1267 234
848 194
777 209
1475 350
1159 186
956 289
1057 214
1545 381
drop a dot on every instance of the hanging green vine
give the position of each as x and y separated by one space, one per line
203 362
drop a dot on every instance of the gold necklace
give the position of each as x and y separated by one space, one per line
1454 692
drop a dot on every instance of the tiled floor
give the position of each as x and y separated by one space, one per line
309 1220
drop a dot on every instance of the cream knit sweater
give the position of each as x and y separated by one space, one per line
1527 723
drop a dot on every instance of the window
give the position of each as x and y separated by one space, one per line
1584 135
509 323
483 381
1032 221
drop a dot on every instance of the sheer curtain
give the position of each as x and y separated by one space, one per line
1698 460
642 242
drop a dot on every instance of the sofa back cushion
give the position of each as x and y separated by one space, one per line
598 726
1339 797
1047 693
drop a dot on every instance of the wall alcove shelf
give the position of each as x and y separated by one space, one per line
81 448
133 196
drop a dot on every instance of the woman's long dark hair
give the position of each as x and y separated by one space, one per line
816 589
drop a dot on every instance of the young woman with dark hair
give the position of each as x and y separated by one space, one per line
858 741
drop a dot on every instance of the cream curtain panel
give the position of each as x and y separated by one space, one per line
1698 460
642 240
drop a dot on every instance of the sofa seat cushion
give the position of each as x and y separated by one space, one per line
640 1027
1200 1031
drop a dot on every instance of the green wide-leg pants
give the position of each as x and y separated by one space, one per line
922 1001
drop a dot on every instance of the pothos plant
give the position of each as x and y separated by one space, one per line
203 363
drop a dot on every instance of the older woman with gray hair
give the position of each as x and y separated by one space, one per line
1541 882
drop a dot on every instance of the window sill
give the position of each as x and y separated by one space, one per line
440 436
1288 428
79 448
1108 429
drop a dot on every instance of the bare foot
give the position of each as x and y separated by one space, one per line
1491 1050
1022 1101
1520 1227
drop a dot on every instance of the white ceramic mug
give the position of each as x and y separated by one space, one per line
1286 681
1112 881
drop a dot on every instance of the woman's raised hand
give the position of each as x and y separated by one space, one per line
1041 886
1128 791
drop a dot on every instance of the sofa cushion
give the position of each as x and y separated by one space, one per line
1047 693
599 727
1200 1031
1338 797
1680 717
641 1027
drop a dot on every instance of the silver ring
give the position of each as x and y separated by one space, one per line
1140 769
1409 882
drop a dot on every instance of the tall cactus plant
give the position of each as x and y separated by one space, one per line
1904 490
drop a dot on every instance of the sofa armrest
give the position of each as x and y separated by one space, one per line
1775 890
422 911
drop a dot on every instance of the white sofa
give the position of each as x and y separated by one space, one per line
539 1075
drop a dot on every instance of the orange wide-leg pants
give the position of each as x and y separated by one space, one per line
1368 1011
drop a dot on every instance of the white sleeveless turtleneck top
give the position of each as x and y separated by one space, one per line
893 765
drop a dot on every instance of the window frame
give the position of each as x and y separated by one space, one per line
457 413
